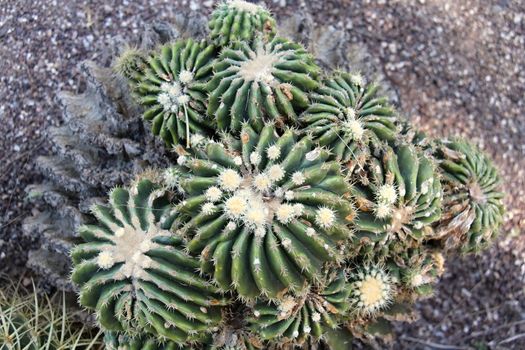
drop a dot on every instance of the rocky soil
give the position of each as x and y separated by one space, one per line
458 67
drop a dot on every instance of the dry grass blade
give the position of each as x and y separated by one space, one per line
29 321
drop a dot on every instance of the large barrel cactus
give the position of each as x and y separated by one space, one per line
295 209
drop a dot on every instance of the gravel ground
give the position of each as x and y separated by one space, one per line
458 67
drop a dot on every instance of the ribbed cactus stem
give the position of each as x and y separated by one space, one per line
266 214
134 273
236 20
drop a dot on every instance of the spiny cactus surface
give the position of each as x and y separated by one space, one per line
300 212
294 319
345 114
472 198
236 21
266 213
135 274
398 195
261 81
172 90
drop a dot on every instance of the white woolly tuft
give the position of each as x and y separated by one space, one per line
325 217
273 152
229 180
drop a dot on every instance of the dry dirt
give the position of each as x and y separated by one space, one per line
458 68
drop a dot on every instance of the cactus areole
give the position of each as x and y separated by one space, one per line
298 211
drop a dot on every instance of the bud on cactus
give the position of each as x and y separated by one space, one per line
473 207
398 194
171 90
235 20
295 319
262 81
135 274
266 213
345 114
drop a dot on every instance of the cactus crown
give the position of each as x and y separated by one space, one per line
300 211
473 201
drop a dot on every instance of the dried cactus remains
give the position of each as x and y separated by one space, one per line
294 209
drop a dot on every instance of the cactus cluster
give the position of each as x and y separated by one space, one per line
301 211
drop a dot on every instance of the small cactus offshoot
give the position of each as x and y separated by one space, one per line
171 90
345 114
301 211
398 196
295 319
372 289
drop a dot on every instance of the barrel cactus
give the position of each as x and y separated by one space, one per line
293 320
472 198
265 213
346 114
398 194
298 210
171 89
135 273
259 82
234 21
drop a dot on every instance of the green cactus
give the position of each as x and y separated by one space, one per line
237 20
266 212
416 270
135 274
264 81
293 320
301 212
398 194
473 206
171 90
345 114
